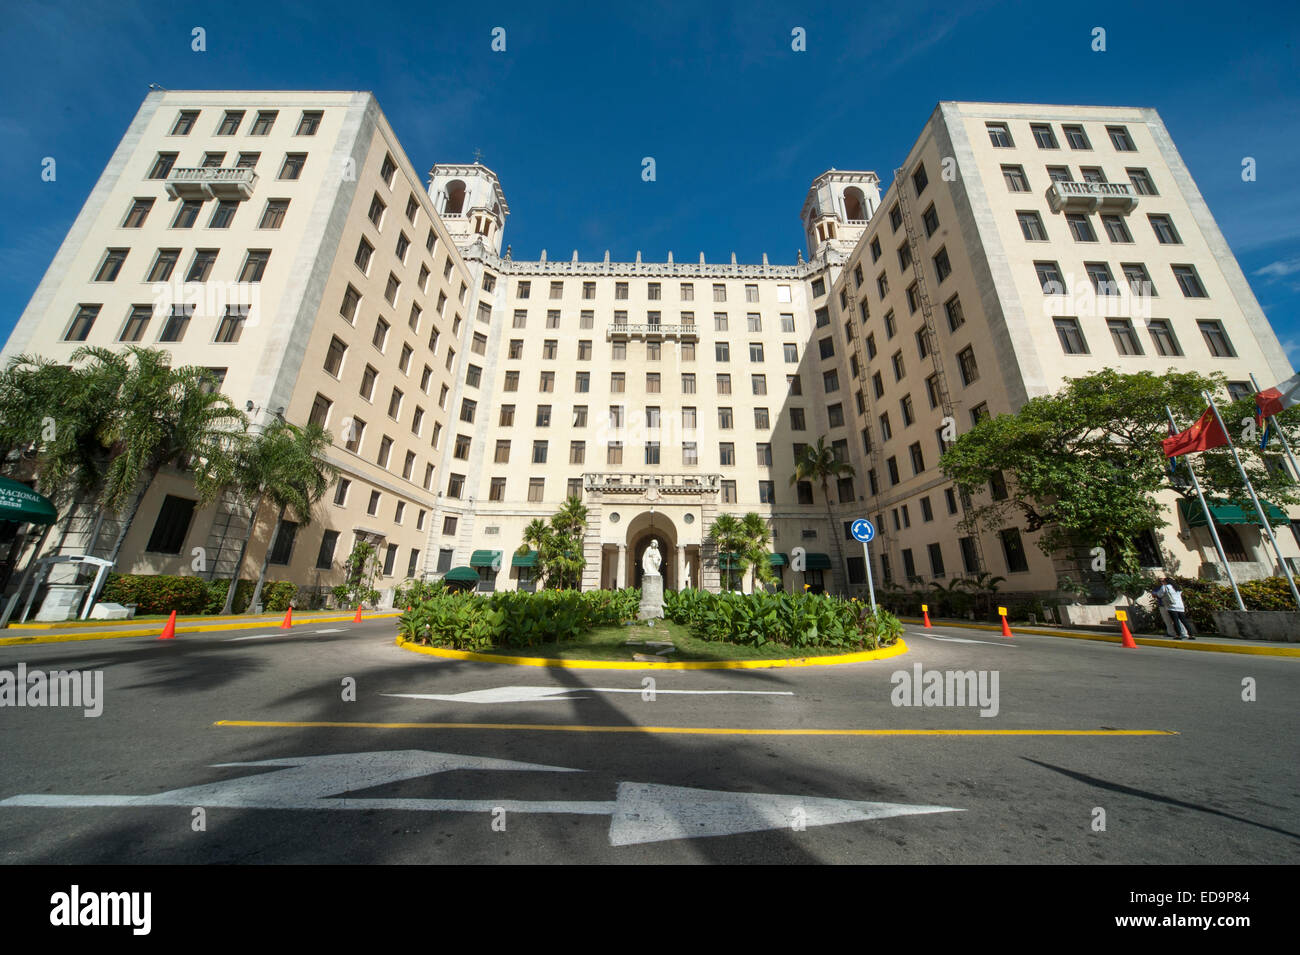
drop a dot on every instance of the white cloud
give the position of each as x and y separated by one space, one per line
1280 268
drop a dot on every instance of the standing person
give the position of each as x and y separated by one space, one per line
1171 599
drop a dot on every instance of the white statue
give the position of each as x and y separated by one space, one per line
651 560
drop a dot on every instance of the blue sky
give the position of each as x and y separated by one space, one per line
737 122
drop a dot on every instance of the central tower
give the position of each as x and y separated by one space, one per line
470 202
837 209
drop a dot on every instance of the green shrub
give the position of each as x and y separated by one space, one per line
510 618
795 620
157 593
1271 593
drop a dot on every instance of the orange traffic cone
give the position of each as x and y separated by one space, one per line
925 612
169 631
357 618
1006 631
288 620
1128 637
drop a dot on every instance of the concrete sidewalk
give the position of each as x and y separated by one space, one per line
33 633
1213 642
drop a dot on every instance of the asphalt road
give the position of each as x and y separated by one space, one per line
673 778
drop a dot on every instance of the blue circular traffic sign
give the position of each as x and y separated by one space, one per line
863 530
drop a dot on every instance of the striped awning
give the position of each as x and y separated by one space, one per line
818 562
485 558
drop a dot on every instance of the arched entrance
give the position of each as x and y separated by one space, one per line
641 530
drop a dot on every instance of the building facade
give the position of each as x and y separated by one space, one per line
285 240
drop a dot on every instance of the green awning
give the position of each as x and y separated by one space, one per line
461 575
524 560
818 562
728 561
1228 513
20 503
778 560
485 558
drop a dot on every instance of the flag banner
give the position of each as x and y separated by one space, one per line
1173 461
1271 401
1202 436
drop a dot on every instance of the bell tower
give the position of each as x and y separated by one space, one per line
837 209
470 203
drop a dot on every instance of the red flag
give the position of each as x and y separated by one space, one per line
1202 436
1275 400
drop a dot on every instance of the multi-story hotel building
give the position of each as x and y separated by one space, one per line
285 240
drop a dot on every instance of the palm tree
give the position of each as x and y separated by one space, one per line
820 463
160 416
729 536
558 543
295 476
757 538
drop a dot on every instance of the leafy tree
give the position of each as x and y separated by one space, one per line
282 462
1084 465
293 475
757 538
728 535
559 544
362 567
820 463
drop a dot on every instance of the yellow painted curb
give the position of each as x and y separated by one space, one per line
155 630
676 730
1282 651
898 648
188 618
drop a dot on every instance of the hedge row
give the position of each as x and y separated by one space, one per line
163 593
1202 598
795 620
466 621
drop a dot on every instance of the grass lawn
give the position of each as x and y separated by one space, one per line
607 643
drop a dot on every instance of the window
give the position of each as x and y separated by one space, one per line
1092 174
82 323
726 453
825 346
619 351
1015 178
886 432
171 526
652 452
942 267
1126 340
455 485
162 165
163 263
387 170
1013 550
309 123
263 123
919 179
803 492
652 351
362 259
539 452
386 450
721 351
761 419
536 489
932 390
999 135
184 122
688 384
1080 227
1049 277
895 217
582 382
1139 282
1163 227
906 409
543 419
1076 137
380 336
112 264
835 416
930 219
1120 139
1031 226
187 214
1189 281
395 404
1099 274
758 384
232 324
137 214
725 419
136 322
724 384
899 370
1043 136
1216 339
891 465
177 323
1162 336
293 163
1068 331
728 492
652 380
354 433
617 382
1141 181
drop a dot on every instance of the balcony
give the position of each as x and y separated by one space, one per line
650 330
641 482
1091 197
211 182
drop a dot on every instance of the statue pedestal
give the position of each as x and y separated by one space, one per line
652 597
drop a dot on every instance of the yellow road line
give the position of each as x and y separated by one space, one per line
892 651
683 730
153 631
1198 644
306 615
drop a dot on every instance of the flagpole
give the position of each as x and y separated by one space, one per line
1268 529
1209 519
1295 470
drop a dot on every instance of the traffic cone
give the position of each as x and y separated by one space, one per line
169 631
1128 637
357 618
925 612
288 620
1006 631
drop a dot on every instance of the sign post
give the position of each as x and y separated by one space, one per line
863 530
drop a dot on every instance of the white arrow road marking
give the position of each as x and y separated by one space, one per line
537 694
332 630
639 813
964 640
256 636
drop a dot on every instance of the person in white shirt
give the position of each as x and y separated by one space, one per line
1171 599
